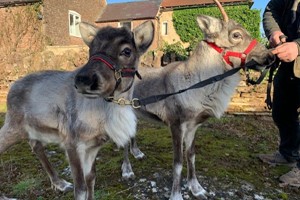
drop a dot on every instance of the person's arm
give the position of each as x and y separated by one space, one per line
272 20
272 16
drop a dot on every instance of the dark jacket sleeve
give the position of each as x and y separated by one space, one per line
272 17
275 18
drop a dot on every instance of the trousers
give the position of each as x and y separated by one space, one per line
285 111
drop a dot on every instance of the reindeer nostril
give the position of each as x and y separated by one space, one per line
87 82
94 85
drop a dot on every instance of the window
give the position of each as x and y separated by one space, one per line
125 24
74 20
164 28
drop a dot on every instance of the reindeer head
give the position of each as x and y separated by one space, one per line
114 56
232 40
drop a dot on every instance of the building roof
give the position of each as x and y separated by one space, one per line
4 3
188 3
129 11
158 2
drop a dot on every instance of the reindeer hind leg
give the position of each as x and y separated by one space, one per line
10 135
56 182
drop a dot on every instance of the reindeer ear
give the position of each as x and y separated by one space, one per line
88 32
209 25
143 36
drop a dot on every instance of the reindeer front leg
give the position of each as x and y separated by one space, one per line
89 169
127 172
82 162
177 161
193 184
80 187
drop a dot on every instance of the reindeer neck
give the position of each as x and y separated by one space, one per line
206 61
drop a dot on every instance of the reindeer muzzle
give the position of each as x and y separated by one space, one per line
263 69
87 84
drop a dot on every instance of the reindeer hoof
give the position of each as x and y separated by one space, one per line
137 153
197 190
6 198
68 188
62 186
128 176
201 196
176 196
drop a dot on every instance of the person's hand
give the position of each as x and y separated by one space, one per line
276 38
286 52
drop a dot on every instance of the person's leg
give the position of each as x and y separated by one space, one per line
286 100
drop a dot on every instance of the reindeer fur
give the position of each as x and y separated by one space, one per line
45 107
183 113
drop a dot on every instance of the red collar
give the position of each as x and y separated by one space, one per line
227 54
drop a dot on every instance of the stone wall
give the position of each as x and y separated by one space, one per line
56 18
247 98
52 58
20 37
27 54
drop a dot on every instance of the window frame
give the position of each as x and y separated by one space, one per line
121 22
164 29
72 28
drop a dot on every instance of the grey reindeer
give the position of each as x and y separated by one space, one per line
183 113
72 109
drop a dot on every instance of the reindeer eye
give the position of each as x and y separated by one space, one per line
126 52
237 35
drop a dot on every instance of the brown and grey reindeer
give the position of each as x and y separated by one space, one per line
73 109
184 112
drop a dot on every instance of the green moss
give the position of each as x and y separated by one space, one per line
284 196
24 186
226 148
3 108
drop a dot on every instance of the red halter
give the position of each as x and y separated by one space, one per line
227 54
119 71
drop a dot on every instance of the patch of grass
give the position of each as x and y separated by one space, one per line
284 196
3 107
226 149
25 186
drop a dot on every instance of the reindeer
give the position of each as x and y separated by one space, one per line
73 109
183 113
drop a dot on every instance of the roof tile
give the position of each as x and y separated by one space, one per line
182 3
16 2
129 11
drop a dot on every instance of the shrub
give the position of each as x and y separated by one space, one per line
186 26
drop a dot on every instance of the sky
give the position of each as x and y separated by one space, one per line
260 4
